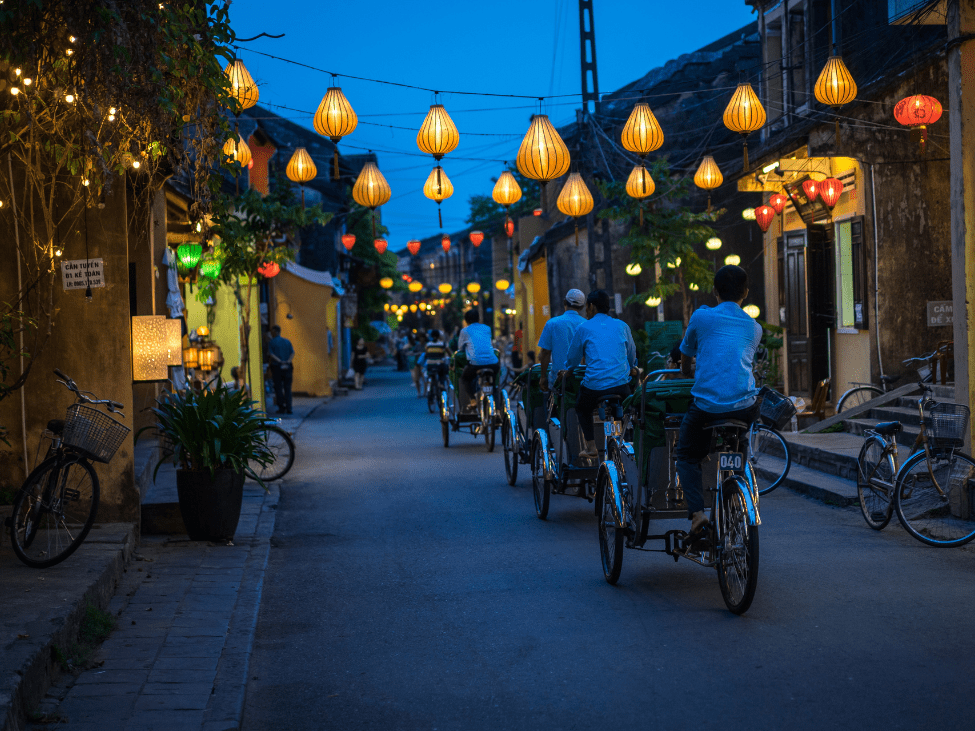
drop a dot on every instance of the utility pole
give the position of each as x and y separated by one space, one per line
587 57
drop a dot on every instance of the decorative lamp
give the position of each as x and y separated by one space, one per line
811 188
386 307
191 357
752 311
371 190
748 214
917 112
713 243
406 278
575 199
438 134
543 155
732 260
335 119
509 227
414 246
673 264
269 269
506 191
209 358
242 86
445 243
640 185
386 282
708 176
476 238
633 269
237 150
502 284
473 287
415 286
744 114
537 212
150 352
348 241
174 342
693 287
777 201
830 191
188 255
381 245
445 288
203 331
210 267
438 188
764 216
835 87
414 307
642 133
653 301
300 170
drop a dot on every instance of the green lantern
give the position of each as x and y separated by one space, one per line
188 255
210 267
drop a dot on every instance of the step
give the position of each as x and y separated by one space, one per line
903 414
832 454
829 489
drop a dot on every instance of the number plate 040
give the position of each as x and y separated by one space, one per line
731 462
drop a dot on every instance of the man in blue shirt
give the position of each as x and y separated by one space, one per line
475 341
607 346
557 335
723 339
281 353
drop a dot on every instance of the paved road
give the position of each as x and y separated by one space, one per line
411 588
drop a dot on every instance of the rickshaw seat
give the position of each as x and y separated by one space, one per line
729 424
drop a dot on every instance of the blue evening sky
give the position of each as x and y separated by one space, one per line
528 47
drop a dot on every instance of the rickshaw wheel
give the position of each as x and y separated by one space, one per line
738 560
510 453
445 427
610 537
541 487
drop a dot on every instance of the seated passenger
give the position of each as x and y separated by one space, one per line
557 334
475 341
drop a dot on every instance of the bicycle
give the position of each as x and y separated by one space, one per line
933 491
56 506
282 446
434 376
863 392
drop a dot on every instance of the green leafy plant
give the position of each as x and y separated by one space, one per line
216 428
772 338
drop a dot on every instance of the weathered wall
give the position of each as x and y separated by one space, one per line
312 311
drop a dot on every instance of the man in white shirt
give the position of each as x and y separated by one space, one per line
475 341
557 334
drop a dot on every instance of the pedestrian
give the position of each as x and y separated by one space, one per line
402 346
360 359
282 354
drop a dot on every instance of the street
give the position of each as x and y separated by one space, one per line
409 587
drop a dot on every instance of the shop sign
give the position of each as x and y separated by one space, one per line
82 273
940 313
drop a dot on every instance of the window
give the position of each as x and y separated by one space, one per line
851 275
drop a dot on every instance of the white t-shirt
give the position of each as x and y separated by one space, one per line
475 341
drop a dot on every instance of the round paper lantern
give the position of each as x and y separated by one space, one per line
269 269
653 301
414 246
386 282
237 150
918 110
777 201
633 269
506 191
811 188
380 245
476 238
640 185
543 155
210 268
642 133
830 191
438 135
188 255
509 227
473 287
335 119
764 216
537 212
413 308
744 114
502 284
713 243
415 286
732 260
300 168
445 243
348 241
752 311
242 86
445 288
748 214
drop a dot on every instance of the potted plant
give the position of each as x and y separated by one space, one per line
213 436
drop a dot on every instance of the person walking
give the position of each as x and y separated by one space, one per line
360 359
282 354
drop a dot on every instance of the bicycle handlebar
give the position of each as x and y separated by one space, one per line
113 406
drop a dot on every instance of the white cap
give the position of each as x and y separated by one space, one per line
575 297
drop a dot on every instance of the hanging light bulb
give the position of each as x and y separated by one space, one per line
438 188
237 150
242 86
642 133
835 87
744 114
708 176
438 134
301 169
335 119
371 190
575 200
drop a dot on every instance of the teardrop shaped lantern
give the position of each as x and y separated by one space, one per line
438 188
764 216
744 114
348 241
415 286
188 255
269 269
237 150
386 282
335 119
371 190
210 267
242 86
642 133
708 176
381 245
543 155
777 201
830 191
835 87
811 188
575 199
300 170
445 243
445 288
640 185
917 112
438 134
509 227
476 238
506 191
414 246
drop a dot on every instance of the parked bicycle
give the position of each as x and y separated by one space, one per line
56 506
282 446
933 491
863 392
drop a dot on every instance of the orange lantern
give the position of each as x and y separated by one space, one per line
476 238
917 112
414 246
445 243
811 189
830 191
269 269
777 201
509 227
380 245
744 114
348 241
764 216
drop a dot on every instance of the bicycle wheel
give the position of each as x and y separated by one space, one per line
487 422
768 451
54 510
282 446
541 487
875 483
738 558
857 396
610 537
510 451
939 511
433 397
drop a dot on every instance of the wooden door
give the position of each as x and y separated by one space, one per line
796 313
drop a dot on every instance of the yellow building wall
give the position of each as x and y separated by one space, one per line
540 293
525 319
313 316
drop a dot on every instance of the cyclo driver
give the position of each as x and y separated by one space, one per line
723 339
607 345
475 341
556 336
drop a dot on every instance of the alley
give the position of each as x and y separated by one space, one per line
410 587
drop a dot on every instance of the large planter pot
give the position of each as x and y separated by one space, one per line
210 504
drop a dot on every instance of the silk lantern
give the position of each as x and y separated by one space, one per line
445 243
543 155
348 241
777 201
640 185
506 192
269 269
642 133
445 288
414 246
438 188
335 119
708 176
732 260
764 216
386 282
242 86
835 87
917 112
830 191
502 284
237 150
509 227
300 170
415 286
473 287
476 238
811 188
575 200
744 114
371 190
438 134
380 245
713 243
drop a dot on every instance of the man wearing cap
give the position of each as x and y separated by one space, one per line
553 343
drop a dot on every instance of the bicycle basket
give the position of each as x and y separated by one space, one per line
945 425
96 435
776 409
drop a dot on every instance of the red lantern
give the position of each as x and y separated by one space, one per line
380 245
777 201
414 246
445 243
537 212
476 238
917 112
764 216
830 191
269 269
348 241
509 227
811 189
407 278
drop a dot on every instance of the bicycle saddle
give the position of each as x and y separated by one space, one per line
56 426
615 402
890 379
729 424
889 428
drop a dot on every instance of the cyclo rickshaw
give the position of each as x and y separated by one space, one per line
523 404
638 485
555 462
455 413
